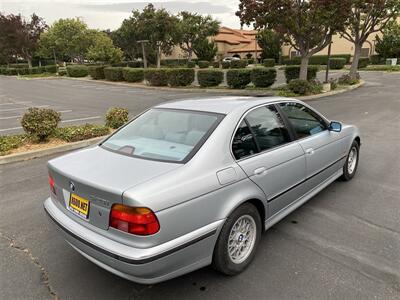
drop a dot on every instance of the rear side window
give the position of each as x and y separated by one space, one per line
304 121
261 129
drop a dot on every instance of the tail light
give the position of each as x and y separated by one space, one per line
52 185
134 220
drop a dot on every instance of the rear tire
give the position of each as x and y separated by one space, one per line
238 240
351 164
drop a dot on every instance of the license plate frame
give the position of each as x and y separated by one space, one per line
79 205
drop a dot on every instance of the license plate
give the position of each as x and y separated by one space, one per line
79 205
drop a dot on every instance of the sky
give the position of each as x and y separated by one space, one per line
109 14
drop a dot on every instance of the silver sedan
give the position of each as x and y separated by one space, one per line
192 183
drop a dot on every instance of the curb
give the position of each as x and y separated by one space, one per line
331 93
11 158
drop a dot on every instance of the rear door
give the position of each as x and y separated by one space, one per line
324 149
264 149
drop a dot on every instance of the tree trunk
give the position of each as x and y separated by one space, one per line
159 57
190 53
29 62
354 63
304 67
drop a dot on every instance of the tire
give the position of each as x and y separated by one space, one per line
351 164
232 264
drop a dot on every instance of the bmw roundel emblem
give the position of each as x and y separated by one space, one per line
72 186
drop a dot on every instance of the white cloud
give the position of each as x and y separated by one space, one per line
106 14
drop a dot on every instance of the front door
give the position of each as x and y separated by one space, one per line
324 149
264 150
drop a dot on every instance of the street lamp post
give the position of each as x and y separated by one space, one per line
142 42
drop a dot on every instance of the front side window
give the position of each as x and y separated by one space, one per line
304 121
261 129
164 134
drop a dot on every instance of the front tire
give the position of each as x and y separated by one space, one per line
238 240
351 164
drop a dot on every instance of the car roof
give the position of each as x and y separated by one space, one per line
222 105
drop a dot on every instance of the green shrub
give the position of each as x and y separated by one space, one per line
211 77
363 62
250 61
191 64
238 78
19 65
226 64
337 63
133 74
215 64
269 62
12 71
316 59
23 71
377 60
180 76
40 122
156 77
62 71
116 117
298 86
316 87
170 62
293 72
37 70
113 73
3 71
77 71
263 77
203 64
51 69
345 79
9 142
82 132
238 64
96 72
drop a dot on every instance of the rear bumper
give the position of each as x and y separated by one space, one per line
150 265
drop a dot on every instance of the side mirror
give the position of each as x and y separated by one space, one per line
335 126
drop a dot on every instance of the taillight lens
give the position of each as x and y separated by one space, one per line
134 220
52 185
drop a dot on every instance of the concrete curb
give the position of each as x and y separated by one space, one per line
16 157
331 93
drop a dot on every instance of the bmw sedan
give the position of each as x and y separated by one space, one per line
192 183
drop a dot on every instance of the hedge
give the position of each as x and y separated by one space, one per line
293 72
226 64
82 132
135 64
263 77
40 123
298 86
269 62
23 71
377 60
96 72
238 78
18 65
37 70
239 64
113 73
363 62
174 62
12 71
203 64
180 76
156 77
77 71
216 64
208 78
50 69
191 64
133 74
316 59
337 63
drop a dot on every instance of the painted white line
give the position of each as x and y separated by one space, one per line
15 103
12 109
8 129
81 119
20 116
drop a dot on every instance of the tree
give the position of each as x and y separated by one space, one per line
389 45
20 37
69 38
193 28
205 49
367 17
270 43
103 49
307 26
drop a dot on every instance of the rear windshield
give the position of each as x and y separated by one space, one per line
164 134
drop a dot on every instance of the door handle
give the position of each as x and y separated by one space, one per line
310 151
260 171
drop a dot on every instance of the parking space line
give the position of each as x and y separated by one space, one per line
12 103
81 119
19 116
19 108
8 129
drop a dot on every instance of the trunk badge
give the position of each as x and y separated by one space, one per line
72 186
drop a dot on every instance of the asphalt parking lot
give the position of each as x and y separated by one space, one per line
343 244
